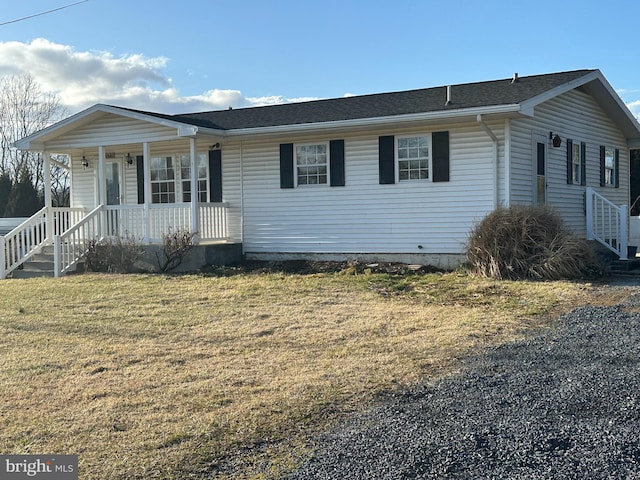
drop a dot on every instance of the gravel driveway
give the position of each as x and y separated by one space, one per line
563 403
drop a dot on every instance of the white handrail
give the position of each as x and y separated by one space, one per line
23 242
607 223
71 245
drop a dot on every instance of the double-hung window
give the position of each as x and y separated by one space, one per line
163 183
576 163
202 177
312 164
171 178
412 154
609 166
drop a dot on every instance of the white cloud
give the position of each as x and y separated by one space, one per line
81 79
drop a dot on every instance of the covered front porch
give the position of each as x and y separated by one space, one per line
132 175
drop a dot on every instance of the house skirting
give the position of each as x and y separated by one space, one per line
444 261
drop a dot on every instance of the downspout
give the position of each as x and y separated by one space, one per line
494 139
242 197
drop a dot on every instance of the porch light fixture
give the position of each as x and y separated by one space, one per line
556 141
215 146
85 162
129 159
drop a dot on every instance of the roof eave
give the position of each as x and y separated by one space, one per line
510 109
37 141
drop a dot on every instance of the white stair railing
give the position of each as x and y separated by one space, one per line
70 246
607 223
23 242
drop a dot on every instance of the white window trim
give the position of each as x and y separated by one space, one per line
610 181
397 159
295 166
177 176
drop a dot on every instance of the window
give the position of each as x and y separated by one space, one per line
413 158
162 180
185 174
609 166
576 164
171 179
311 164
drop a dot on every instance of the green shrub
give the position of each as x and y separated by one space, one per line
521 242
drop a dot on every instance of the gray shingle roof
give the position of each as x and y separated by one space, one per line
469 95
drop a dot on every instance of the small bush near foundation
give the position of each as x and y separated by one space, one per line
114 255
521 242
176 245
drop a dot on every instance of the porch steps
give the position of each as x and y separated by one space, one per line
615 265
40 265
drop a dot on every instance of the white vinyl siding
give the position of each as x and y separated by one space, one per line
578 116
364 216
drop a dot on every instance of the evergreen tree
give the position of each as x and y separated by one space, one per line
23 200
5 190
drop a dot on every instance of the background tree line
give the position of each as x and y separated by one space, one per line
25 109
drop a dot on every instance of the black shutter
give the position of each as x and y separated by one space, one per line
440 149
140 177
386 159
286 165
616 172
602 166
336 163
215 176
569 161
583 163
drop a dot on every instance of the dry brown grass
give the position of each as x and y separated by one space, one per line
193 376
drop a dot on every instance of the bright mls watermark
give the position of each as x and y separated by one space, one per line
49 467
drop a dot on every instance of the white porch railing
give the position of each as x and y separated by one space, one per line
70 246
70 230
130 221
28 238
607 223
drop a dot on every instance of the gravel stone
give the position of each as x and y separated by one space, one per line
563 403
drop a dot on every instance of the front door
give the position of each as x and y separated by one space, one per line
114 195
114 180
539 157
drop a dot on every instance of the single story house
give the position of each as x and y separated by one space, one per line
399 176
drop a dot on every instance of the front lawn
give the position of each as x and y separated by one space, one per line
149 376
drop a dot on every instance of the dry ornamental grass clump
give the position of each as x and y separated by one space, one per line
521 242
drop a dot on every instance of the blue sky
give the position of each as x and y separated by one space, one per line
208 54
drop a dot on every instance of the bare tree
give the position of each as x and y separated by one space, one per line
24 109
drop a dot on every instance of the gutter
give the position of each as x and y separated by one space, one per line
496 159
366 122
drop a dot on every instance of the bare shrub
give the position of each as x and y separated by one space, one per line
521 242
176 245
115 255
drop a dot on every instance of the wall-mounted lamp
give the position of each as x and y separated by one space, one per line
85 162
215 146
129 159
556 141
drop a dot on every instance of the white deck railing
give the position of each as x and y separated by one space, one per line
70 230
607 223
28 238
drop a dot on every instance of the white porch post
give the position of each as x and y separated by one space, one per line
195 211
46 179
102 190
146 162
